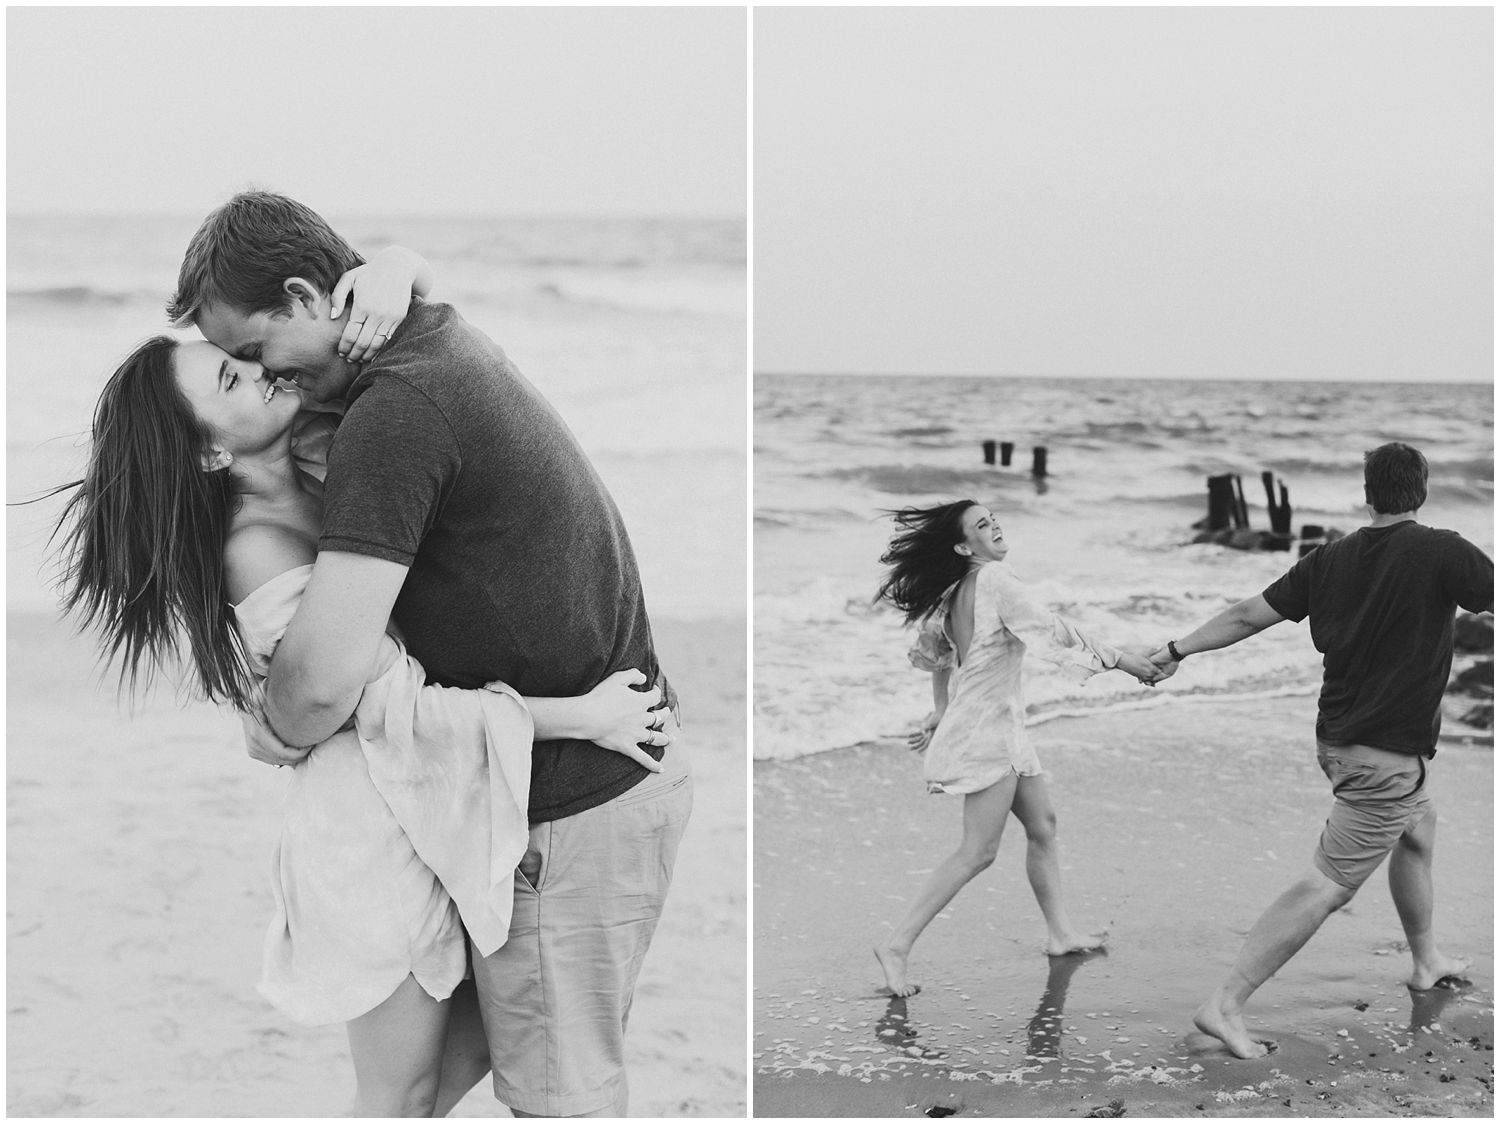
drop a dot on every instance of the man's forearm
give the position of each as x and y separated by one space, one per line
1229 627
333 646
300 717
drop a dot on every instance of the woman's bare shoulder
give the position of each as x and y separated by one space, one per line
255 551
996 573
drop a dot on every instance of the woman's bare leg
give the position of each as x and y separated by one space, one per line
466 1055
985 813
398 1053
1033 807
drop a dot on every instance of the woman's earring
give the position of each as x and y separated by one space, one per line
222 458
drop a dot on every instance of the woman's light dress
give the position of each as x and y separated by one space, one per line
399 834
982 736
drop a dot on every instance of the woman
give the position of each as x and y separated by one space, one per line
194 530
947 570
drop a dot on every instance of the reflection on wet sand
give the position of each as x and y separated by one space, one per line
1427 1005
1044 1031
895 1031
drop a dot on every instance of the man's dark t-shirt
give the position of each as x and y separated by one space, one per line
448 461
1381 603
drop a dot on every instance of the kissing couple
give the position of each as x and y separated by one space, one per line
365 530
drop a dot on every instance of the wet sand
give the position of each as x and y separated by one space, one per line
1178 825
138 895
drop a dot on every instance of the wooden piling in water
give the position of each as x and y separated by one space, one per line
989 452
1006 449
1280 513
1039 461
1241 512
1221 505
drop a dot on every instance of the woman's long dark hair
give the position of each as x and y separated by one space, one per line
921 562
142 545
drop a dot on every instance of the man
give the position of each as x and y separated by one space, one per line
1381 606
458 503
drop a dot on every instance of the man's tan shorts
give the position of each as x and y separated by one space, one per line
1378 796
555 997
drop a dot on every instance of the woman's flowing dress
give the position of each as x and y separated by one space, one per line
400 833
982 735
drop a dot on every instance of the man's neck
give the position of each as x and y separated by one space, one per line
1379 519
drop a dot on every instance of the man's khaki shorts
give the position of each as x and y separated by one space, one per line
555 997
1378 796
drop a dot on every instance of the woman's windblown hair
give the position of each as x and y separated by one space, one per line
921 562
143 536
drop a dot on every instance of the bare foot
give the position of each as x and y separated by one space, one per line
1075 943
893 964
1435 971
1228 1026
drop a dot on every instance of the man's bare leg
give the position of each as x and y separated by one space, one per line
1033 807
985 813
1411 890
1276 937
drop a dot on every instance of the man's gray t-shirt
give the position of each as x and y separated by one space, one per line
448 461
1381 603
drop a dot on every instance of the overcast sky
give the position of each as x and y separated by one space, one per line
539 111
1180 192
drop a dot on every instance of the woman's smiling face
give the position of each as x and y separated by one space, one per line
246 410
982 535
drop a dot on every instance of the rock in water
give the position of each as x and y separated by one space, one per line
1477 680
1473 633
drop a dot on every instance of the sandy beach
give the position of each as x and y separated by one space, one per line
138 864
1178 823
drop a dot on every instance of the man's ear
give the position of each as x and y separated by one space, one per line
303 293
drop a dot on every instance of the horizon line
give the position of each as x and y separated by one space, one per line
697 216
1120 376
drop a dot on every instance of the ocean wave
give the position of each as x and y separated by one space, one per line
810 518
888 723
1480 491
922 431
1480 468
1242 693
920 479
75 295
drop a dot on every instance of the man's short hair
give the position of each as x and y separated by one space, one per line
247 248
1395 479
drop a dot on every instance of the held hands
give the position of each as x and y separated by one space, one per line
261 742
1166 666
619 717
1142 667
382 291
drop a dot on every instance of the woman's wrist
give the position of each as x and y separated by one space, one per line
559 717
1174 652
409 262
